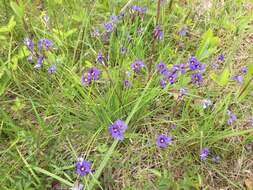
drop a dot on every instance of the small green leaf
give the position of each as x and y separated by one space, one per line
208 45
222 79
10 26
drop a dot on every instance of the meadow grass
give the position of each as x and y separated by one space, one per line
48 121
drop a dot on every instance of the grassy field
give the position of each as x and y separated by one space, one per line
126 95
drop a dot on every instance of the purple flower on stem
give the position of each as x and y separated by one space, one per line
109 26
231 118
100 57
179 67
183 31
251 121
161 67
51 69
193 63
162 141
171 77
237 78
44 42
137 65
163 82
158 33
30 58
94 73
138 9
221 58
196 78
117 130
123 50
29 43
206 103
126 83
243 70
45 19
114 18
204 153
83 167
39 62
173 126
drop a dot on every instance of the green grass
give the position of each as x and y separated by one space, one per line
47 121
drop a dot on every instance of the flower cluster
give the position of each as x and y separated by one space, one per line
137 9
204 153
117 129
169 76
197 67
44 44
90 75
239 78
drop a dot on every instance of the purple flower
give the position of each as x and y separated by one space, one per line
243 70
183 31
196 78
163 82
94 73
117 130
100 57
193 63
158 33
173 126
126 83
206 103
182 93
123 50
179 67
29 43
30 58
231 118
121 15
161 67
51 69
83 167
44 42
138 9
45 18
171 77
39 62
114 18
86 78
216 159
251 121
109 26
201 67
162 141
204 153
137 65
237 78
221 58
